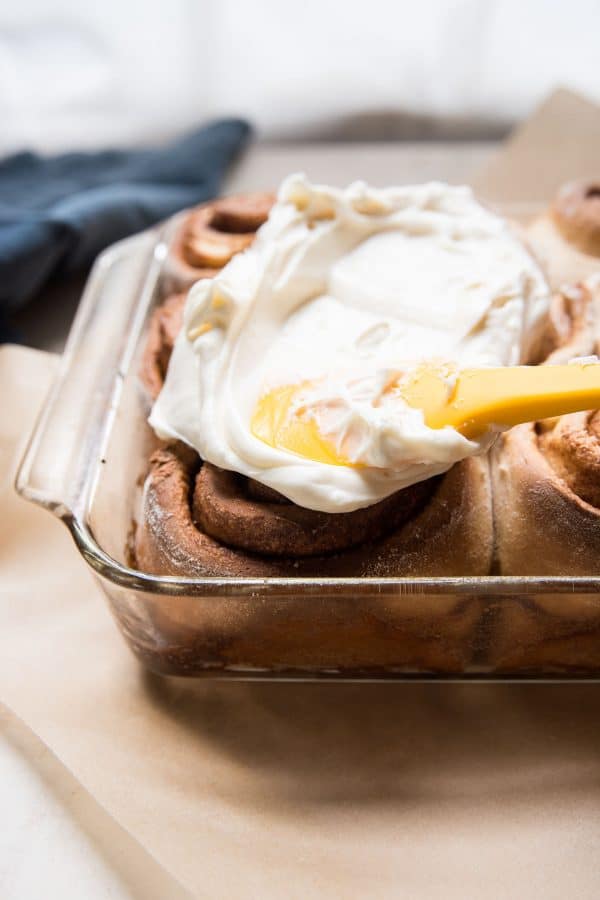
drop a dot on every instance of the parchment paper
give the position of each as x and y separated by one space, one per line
561 141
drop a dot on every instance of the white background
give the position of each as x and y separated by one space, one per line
130 71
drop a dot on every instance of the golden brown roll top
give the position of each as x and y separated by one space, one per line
547 521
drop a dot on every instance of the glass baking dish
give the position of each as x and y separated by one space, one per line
87 459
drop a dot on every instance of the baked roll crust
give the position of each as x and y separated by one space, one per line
199 521
211 235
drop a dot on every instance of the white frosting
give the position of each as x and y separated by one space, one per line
345 287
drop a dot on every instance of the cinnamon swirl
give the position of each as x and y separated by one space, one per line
199 521
211 235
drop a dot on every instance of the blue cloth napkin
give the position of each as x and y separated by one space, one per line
57 213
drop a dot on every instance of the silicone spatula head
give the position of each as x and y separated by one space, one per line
470 401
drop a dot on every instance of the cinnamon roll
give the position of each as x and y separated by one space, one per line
211 235
200 521
547 497
546 480
546 488
566 238
546 475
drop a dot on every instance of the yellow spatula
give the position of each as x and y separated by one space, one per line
471 401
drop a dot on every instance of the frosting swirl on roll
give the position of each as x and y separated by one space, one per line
359 281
